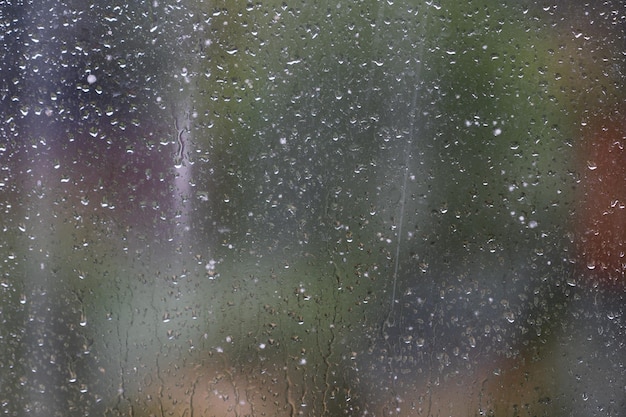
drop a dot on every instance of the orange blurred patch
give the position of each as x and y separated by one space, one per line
600 229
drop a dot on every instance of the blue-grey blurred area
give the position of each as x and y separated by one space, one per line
319 209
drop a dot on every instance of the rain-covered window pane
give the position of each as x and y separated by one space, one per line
290 208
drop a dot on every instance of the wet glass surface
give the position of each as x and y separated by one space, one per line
319 209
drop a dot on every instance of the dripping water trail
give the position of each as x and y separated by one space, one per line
390 320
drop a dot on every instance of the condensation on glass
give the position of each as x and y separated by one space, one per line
319 209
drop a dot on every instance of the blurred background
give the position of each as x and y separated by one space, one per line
281 208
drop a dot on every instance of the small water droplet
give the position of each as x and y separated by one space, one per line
472 341
509 316
72 378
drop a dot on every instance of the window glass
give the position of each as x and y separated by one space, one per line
312 208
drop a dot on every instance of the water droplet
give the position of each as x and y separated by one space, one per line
472 341
72 376
509 316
